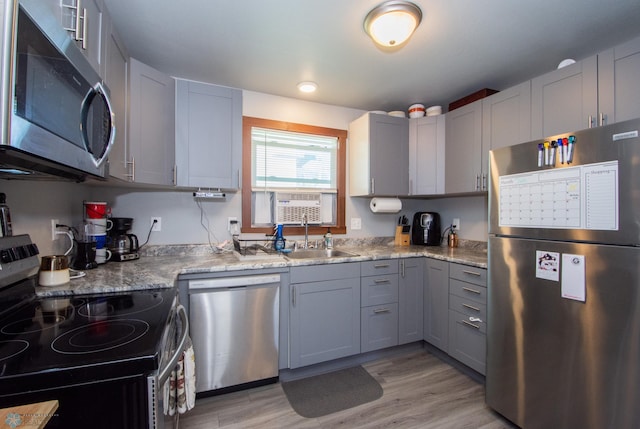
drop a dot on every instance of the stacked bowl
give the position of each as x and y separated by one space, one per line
96 225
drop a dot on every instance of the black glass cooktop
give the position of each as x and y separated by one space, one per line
77 339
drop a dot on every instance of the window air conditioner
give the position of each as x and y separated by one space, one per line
290 206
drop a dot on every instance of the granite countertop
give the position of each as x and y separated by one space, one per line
159 266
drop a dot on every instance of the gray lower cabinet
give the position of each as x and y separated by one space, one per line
436 303
379 305
467 315
324 310
410 300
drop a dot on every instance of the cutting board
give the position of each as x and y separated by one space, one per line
31 416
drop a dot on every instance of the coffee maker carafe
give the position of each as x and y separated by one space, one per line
123 246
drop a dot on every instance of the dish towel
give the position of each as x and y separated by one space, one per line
180 388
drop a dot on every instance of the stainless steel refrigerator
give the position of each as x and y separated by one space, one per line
563 326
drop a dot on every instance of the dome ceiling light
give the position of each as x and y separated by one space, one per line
391 23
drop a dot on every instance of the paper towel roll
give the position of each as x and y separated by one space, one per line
385 205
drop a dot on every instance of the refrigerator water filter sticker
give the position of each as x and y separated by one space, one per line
573 277
547 265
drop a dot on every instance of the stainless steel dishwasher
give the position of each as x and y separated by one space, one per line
234 329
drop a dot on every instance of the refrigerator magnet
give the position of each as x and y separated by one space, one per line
547 265
573 277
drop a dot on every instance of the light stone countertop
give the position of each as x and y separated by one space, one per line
159 266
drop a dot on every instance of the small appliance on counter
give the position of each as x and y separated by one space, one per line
426 229
123 246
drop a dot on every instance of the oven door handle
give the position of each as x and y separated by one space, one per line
166 371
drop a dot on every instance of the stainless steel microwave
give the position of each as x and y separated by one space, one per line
55 113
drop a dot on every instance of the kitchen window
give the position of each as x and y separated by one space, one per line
282 158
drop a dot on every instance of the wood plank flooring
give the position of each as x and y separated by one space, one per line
420 391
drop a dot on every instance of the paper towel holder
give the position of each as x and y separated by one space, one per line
385 205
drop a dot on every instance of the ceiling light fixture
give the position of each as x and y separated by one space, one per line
391 23
307 86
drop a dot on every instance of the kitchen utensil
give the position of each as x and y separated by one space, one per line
434 111
85 258
96 209
54 271
102 255
416 111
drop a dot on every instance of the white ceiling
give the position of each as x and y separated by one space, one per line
461 46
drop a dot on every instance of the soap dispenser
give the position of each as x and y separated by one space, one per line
328 239
278 242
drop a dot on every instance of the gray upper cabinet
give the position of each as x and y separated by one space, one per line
83 20
565 100
208 135
506 120
151 125
436 303
463 151
116 76
427 155
378 155
618 83
410 300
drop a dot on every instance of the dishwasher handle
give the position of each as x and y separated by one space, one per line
234 282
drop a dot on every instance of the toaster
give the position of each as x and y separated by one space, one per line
425 229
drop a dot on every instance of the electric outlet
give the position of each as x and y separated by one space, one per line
54 222
356 223
456 224
232 225
156 223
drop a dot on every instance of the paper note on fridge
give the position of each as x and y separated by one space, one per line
573 277
547 265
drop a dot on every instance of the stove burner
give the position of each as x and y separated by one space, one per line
119 306
11 348
100 336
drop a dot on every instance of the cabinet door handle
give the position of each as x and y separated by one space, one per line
470 324
472 273
590 124
381 310
602 118
379 281
484 182
381 266
84 29
373 185
402 268
471 290
175 174
471 307
293 296
477 182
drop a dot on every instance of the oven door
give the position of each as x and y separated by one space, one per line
175 345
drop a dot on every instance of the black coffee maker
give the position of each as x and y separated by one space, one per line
123 246
425 229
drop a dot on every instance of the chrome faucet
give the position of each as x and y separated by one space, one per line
305 223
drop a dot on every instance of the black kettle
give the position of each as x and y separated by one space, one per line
425 229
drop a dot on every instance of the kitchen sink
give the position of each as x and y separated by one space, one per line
319 254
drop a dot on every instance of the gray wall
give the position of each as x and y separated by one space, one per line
33 204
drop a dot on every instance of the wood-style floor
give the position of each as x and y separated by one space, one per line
420 391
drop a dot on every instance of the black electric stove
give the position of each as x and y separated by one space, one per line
66 341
